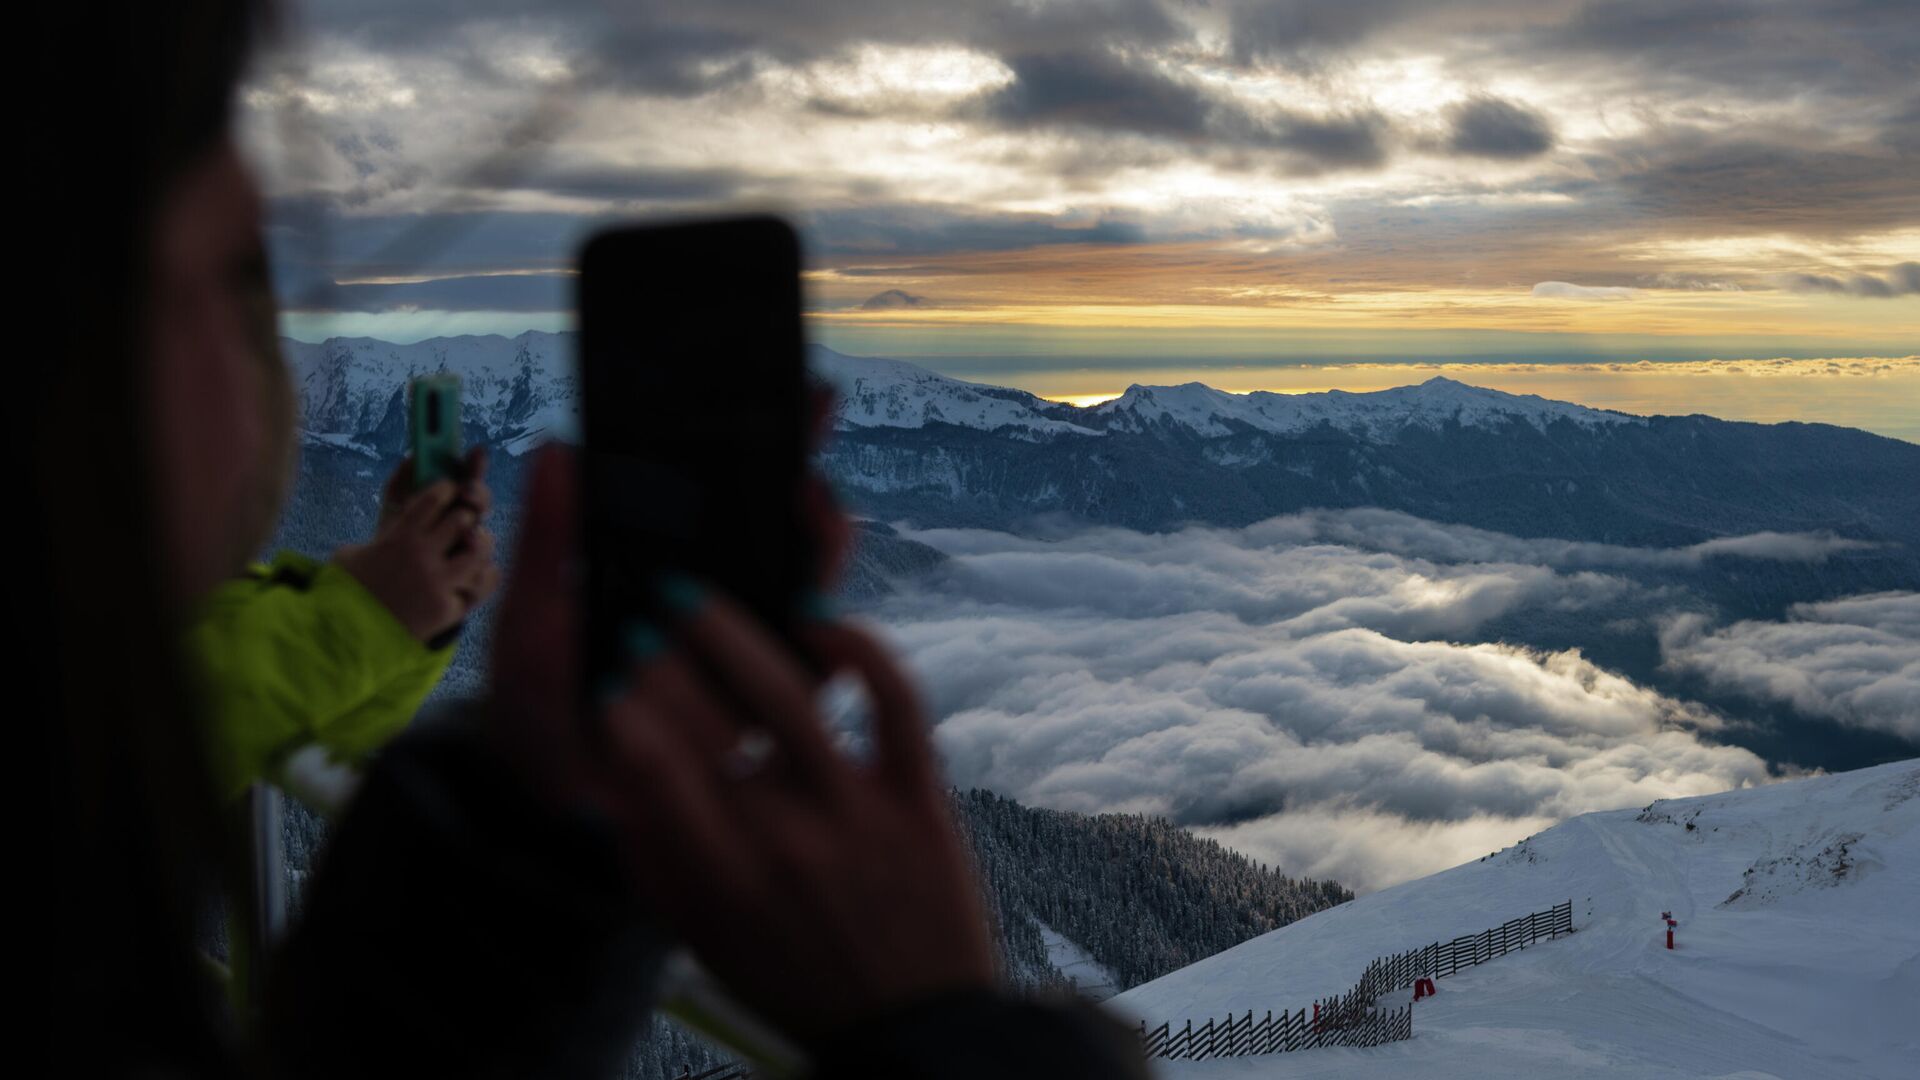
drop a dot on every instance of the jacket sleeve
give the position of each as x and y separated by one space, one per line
370 725
458 927
299 652
964 1036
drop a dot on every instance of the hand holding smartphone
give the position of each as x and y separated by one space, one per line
434 432
435 427
695 424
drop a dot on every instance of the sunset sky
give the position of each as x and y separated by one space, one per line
1665 207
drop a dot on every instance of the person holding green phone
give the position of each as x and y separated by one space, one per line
341 653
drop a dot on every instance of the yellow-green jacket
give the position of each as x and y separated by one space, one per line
299 653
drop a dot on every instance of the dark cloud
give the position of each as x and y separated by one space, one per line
479 258
1100 90
1493 128
1902 280
1354 141
933 230
671 48
314 242
1704 182
639 184
1842 48
494 292
1286 29
1901 131
1640 25
892 300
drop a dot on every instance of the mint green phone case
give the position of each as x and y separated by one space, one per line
436 427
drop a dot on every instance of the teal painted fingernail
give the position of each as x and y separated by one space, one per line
681 595
643 642
819 607
612 688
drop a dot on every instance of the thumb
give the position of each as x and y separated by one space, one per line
534 661
543 569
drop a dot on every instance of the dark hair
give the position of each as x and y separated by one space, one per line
130 97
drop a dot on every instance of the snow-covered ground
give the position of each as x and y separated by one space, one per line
1089 976
1799 948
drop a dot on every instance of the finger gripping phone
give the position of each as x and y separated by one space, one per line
694 425
435 427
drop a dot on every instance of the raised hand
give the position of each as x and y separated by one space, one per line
431 560
818 889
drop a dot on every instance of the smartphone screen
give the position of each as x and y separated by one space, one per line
694 424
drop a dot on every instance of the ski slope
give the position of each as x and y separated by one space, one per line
1798 948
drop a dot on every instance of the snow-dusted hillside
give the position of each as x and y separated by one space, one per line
513 390
892 393
1799 948
1378 416
913 445
521 386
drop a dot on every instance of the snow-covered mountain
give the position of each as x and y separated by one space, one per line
351 393
892 393
1798 949
1379 416
918 446
513 390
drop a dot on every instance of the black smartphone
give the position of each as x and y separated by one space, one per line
694 425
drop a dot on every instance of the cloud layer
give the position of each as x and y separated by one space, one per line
1856 661
1308 687
1433 158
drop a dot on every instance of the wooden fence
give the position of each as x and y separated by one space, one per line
734 1071
1274 1035
1350 1019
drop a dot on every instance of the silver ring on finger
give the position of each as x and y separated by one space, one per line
749 754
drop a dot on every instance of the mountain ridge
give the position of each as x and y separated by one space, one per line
916 446
881 392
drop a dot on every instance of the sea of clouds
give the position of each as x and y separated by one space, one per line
1855 660
1310 689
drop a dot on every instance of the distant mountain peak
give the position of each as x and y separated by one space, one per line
893 393
1378 415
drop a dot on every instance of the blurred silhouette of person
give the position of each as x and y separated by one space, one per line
494 901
